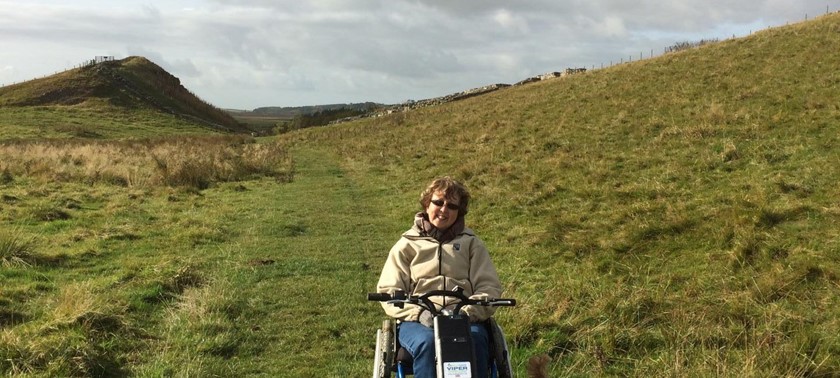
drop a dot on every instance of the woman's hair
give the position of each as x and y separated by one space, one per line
452 190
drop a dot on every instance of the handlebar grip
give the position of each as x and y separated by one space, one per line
379 297
504 302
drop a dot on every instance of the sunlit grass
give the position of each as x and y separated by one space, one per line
195 162
674 217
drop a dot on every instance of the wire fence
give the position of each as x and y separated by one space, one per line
685 45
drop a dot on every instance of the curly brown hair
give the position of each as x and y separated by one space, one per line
452 190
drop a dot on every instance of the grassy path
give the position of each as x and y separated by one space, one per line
288 300
321 235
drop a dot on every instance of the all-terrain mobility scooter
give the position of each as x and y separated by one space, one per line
454 355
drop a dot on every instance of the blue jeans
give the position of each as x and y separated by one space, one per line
419 340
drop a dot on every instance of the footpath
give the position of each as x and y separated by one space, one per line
307 255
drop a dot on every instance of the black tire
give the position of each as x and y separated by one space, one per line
499 349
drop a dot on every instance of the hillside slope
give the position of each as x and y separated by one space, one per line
129 86
673 216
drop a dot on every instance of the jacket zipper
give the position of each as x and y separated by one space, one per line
440 269
440 262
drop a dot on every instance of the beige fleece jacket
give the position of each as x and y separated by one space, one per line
418 264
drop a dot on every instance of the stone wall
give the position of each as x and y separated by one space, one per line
411 105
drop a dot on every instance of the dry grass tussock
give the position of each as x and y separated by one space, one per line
195 162
79 322
85 330
15 249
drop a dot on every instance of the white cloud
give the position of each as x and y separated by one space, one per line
7 75
610 27
511 21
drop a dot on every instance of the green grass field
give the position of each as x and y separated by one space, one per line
671 217
97 122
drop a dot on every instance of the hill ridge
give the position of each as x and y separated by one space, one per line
129 83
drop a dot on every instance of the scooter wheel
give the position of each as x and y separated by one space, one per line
384 350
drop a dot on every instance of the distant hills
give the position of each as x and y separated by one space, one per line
115 86
110 91
294 111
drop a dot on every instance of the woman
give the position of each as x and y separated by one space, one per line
440 253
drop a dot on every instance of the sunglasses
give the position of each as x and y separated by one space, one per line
449 205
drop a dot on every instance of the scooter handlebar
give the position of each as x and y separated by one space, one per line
399 298
502 302
379 297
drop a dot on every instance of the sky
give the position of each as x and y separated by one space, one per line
246 54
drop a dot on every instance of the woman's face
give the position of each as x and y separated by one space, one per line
442 212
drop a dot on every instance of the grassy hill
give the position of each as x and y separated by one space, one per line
671 216
675 216
128 97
